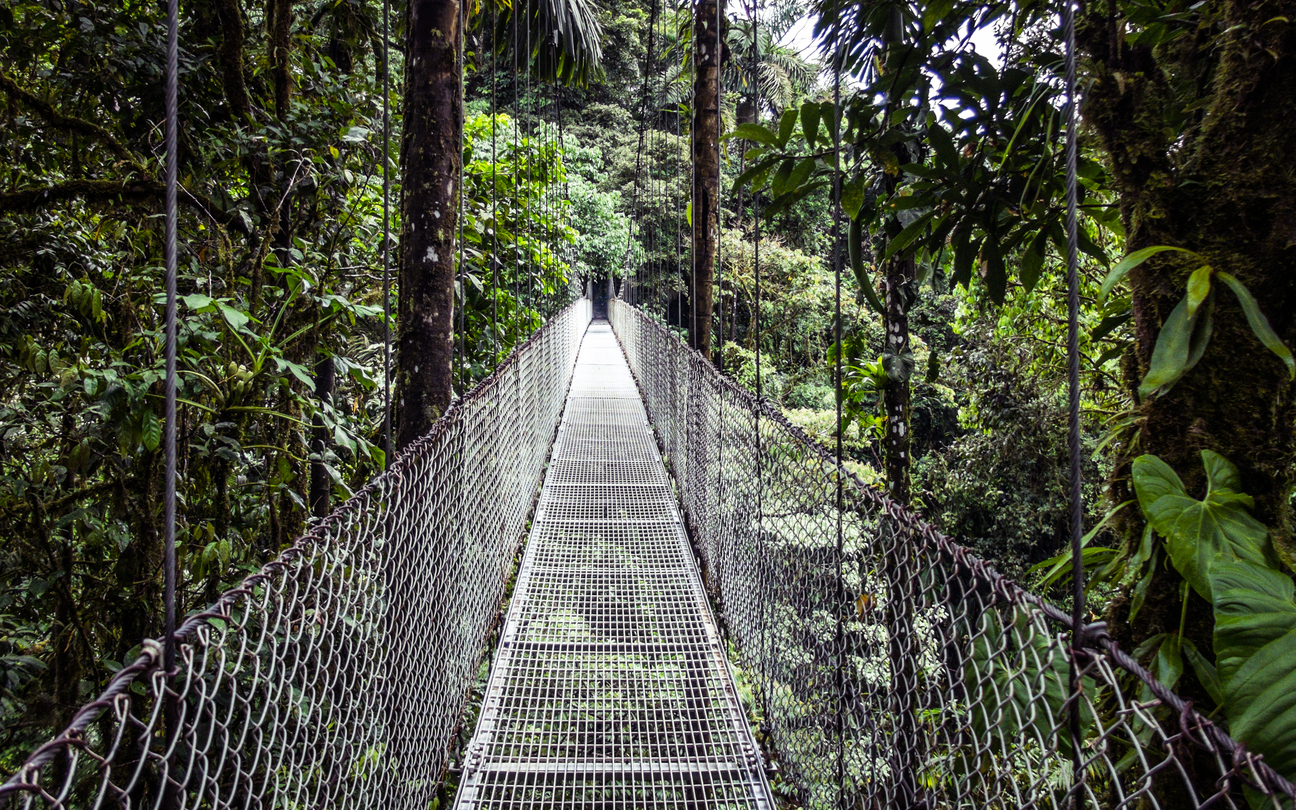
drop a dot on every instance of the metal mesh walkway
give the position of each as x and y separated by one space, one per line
610 686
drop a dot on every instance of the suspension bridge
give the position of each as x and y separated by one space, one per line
684 602
708 612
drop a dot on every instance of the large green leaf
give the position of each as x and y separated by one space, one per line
787 125
1197 532
810 122
150 430
754 132
1174 353
1131 261
1021 677
1259 323
1255 645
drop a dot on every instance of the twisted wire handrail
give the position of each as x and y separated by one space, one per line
335 676
895 669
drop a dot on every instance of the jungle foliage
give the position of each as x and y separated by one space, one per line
951 220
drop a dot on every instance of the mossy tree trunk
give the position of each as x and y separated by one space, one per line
430 152
706 168
1223 185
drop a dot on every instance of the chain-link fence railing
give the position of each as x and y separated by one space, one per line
891 668
337 675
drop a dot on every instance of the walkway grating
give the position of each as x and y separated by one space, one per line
610 686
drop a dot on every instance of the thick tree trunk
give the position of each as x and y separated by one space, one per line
430 151
1226 191
706 168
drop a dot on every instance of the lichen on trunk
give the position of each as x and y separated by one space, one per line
430 154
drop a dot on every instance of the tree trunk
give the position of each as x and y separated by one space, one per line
279 18
430 151
1226 191
706 168
897 361
320 483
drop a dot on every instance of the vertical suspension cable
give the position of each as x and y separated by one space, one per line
171 718
1073 399
643 126
840 638
756 215
169 256
386 237
691 325
494 256
532 15
679 220
768 640
520 224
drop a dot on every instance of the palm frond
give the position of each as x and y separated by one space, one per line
565 38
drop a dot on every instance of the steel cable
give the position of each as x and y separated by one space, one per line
1075 475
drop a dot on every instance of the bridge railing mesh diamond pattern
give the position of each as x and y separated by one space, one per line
336 676
889 667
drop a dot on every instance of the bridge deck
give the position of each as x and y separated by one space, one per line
610 686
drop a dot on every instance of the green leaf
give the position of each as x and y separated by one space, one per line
197 300
1255 648
297 370
1131 261
1030 684
855 249
1259 323
1106 325
852 196
150 430
810 122
1205 671
237 319
1089 247
800 174
1198 288
779 185
1199 531
964 255
901 240
943 144
1169 663
1033 260
755 132
899 367
1170 355
754 175
996 277
1201 336
787 125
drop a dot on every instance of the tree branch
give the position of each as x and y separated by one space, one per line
131 192
58 119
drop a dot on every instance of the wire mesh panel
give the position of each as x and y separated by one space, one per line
610 687
336 676
891 668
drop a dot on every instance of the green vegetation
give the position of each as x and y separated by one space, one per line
952 239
